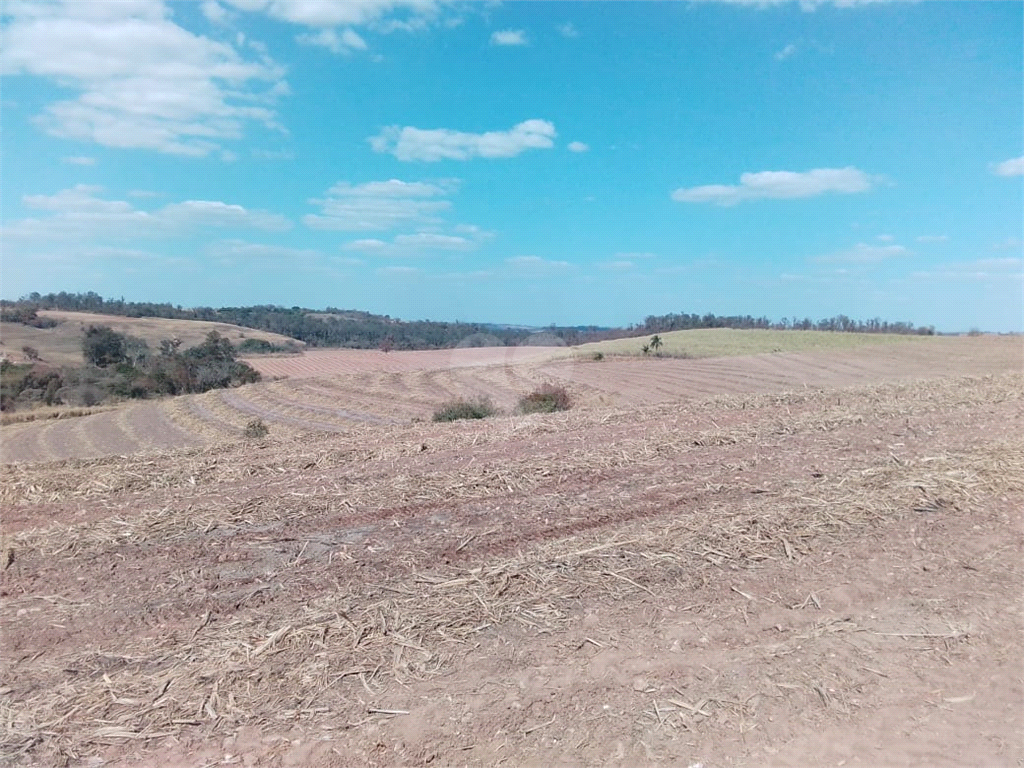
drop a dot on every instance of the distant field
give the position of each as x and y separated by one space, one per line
62 345
723 342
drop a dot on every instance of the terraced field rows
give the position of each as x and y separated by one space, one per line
398 387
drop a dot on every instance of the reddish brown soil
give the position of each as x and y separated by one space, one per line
805 579
335 391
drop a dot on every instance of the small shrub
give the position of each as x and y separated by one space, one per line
454 410
256 429
547 398
30 353
598 356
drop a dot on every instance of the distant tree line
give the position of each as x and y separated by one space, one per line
842 323
334 327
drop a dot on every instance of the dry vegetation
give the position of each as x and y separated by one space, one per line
720 342
62 344
328 593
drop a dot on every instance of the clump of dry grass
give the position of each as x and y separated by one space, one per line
454 410
547 398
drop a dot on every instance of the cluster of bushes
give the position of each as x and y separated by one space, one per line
548 398
122 366
26 315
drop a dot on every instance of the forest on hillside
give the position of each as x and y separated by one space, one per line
332 327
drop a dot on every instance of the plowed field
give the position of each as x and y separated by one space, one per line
333 391
821 577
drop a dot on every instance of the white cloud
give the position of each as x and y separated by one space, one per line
381 205
370 245
214 12
786 52
987 270
80 160
346 42
864 253
408 143
619 265
578 146
932 238
1014 167
333 13
241 249
421 242
781 185
509 37
886 238
568 30
535 263
434 241
79 214
397 270
142 81
806 5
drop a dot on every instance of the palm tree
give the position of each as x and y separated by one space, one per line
656 343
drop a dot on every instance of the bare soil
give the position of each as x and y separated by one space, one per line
824 577
336 391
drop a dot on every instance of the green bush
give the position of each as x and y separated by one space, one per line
547 398
454 410
598 356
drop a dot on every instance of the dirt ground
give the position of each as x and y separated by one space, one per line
337 390
825 577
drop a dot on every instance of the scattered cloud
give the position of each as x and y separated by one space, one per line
1009 244
778 185
932 238
535 263
214 12
240 249
578 146
864 253
1013 167
509 37
806 5
381 205
80 214
885 238
408 143
334 13
619 265
980 270
141 81
398 270
80 160
568 30
786 52
346 42
418 243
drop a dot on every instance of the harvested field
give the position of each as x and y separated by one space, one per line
62 344
336 390
754 579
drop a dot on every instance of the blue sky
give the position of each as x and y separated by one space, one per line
533 163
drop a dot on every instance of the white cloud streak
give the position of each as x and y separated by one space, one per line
1013 167
578 146
786 52
509 37
408 143
80 160
778 185
79 214
346 42
381 205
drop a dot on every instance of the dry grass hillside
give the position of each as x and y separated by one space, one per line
720 342
62 345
